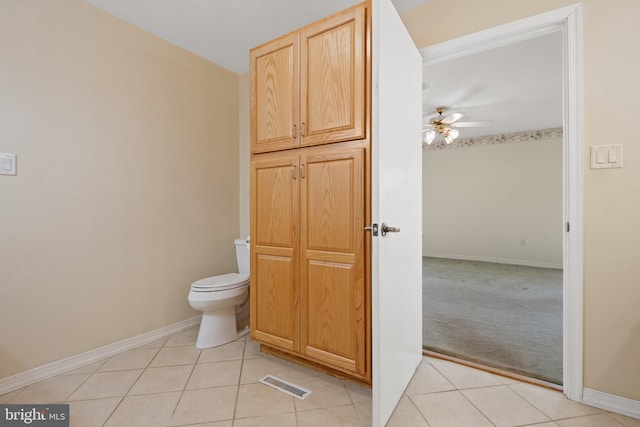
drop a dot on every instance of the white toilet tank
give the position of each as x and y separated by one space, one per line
242 255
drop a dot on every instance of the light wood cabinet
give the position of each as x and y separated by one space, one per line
310 207
310 298
308 87
275 95
332 258
275 318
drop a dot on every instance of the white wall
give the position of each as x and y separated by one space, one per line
497 202
244 153
127 185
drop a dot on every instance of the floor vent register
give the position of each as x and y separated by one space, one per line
285 387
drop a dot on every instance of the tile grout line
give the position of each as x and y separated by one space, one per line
87 379
128 390
121 398
16 392
459 391
110 413
353 404
563 418
501 384
439 373
531 403
477 409
184 387
355 407
295 415
418 409
235 405
442 374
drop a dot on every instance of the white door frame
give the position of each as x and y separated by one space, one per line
568 20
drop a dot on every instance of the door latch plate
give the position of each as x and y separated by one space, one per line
373 229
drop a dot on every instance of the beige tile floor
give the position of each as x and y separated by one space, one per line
171 383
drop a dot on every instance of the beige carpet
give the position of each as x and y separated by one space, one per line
504 316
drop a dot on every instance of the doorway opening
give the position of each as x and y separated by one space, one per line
566 22
492 209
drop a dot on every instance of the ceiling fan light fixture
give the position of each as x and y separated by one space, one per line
429 136
444 126
450 135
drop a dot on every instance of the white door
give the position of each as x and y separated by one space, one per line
396 201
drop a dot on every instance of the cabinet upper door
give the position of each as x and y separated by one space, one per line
275 95
333 78
274 252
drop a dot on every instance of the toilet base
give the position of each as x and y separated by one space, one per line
218 327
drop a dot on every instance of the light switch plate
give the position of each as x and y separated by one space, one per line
606 156
7 164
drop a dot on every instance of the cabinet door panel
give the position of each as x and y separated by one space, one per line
330 212
333 79
274 252
276 313
330 288
332 259
275 199
275 95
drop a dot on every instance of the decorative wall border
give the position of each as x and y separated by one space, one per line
534 135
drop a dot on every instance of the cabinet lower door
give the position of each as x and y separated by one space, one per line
274 252
333 297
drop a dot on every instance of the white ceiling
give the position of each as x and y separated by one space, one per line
517 87
224 31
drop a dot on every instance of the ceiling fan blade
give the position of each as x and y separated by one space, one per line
471 124
452 118
429 116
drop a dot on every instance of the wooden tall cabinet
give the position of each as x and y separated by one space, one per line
308 87
310 300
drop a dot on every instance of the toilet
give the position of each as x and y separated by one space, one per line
218 297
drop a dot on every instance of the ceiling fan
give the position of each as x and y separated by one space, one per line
444 125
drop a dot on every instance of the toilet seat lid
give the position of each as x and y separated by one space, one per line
223 282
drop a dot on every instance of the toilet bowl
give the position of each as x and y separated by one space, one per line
217 297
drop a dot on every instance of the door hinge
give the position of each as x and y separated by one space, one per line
568 227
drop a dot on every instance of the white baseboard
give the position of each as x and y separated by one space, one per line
611 402
40 373
524 262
